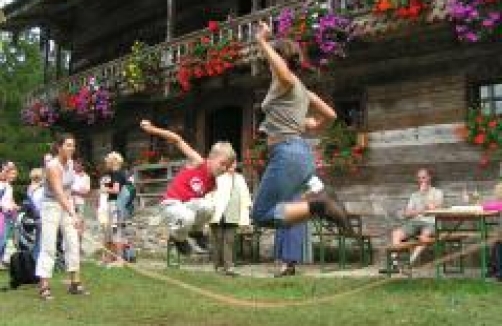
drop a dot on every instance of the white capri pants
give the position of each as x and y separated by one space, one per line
53 216
183 217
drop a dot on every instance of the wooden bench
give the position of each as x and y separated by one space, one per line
143 198
252 237
361 238
403 250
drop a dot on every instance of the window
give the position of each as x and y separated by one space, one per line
351 112
490 98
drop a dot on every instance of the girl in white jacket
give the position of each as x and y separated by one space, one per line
232 202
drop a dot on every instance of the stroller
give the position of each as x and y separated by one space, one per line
27 233
26 240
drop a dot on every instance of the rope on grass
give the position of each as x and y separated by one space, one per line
248 303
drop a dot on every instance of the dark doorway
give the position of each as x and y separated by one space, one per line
119 142
225 124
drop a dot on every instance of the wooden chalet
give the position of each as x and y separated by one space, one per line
407 84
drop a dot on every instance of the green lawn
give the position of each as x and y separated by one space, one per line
122 297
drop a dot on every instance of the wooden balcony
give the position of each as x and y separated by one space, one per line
241 28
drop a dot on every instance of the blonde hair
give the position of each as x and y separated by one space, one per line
8 166
114 160
36 174
223 148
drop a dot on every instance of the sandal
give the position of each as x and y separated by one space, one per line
77 289
45 293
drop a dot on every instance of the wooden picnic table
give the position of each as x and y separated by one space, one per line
456 217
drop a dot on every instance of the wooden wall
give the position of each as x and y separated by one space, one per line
412 124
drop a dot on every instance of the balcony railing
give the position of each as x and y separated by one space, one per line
170 53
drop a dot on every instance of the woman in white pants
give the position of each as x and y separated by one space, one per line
57 212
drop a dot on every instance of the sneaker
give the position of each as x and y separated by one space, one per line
45 294
288 271
314 185
194 246
77 289
202 242
183 247
200 239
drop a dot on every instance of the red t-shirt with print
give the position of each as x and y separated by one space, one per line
191 182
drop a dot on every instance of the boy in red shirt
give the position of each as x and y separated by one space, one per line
183 203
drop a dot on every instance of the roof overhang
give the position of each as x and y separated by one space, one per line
27 13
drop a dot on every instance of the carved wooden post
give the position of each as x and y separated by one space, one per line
44 46
170 20
58 61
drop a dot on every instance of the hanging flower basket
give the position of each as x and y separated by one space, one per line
321 33
341 150
404 9
142 72
40 114
208 58
91 103
476 20
484 131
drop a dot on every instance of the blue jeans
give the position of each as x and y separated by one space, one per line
290 166
289 243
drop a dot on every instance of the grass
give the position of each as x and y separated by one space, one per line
122 297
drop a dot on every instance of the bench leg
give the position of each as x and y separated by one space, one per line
370 251
256 247
322 252
169 258
342 251
367 254
389 262
451 247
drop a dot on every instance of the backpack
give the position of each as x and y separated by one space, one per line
22 269
495 262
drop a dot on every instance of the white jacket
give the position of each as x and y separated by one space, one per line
221 196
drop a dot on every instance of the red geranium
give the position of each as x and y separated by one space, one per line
480 139
213 26
382 6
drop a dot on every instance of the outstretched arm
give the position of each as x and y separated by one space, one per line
280 68
323 114
173 138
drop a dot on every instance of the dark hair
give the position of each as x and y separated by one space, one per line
59 141
290 51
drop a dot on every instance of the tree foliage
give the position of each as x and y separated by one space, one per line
21 70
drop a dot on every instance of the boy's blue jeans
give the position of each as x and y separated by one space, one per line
290 166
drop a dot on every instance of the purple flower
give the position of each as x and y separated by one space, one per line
495 16
285 20
471 37
488 23
472 19
461 29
